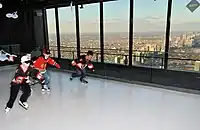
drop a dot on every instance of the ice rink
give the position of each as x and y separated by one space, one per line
100 105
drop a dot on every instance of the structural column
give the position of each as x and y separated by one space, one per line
131 32
167 35
57 32
45 28
101 32
77 30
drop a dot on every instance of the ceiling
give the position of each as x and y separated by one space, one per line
36 4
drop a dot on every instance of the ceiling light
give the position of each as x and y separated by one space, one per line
1 5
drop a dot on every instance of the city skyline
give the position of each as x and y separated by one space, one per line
151 20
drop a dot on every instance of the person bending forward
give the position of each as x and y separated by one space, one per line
21 80
81 63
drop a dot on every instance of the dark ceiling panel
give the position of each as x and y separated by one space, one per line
65 4
31 4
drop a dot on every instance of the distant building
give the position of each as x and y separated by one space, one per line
196 42
197 66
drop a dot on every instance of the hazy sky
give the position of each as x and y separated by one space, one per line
149 15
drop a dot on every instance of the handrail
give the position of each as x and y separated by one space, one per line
144 56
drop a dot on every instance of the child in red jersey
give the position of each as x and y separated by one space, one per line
41 64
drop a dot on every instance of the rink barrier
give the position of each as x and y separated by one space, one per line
178 79
7 67
190 91
104 76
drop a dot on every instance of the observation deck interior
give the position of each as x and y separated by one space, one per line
100 105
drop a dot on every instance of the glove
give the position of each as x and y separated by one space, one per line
91 66
31 83
39 76
57 66
73 63
28 80
79 65
11 58
19 80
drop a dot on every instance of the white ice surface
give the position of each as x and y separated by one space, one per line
100 105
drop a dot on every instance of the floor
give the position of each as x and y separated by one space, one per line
100 105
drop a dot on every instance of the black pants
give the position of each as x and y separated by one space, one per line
14 89
79 73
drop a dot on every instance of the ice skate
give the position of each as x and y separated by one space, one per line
24 105
83 81
45 88
71 78
43 91
48 89
7 109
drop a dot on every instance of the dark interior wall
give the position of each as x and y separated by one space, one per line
17 31
39 29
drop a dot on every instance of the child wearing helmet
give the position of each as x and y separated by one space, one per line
21 80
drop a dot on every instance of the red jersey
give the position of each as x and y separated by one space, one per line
41 63
23 73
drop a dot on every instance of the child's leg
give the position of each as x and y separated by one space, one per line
83 75
14 89
24 97
76 74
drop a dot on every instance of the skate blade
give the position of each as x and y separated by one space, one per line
6 111
43 92
23 106
84 83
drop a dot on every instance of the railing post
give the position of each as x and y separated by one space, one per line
140 58
73 57
97 57
126 60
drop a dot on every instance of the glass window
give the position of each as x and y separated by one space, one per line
116 31
149 32
89 29
67 32
184 51
51 23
